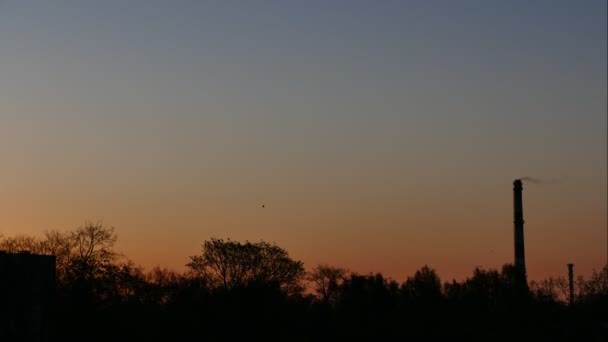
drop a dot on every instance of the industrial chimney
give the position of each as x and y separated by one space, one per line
518 211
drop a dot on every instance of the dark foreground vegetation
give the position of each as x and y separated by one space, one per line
255 291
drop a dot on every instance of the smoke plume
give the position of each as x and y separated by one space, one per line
534 180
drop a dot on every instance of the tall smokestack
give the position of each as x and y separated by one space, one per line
518 211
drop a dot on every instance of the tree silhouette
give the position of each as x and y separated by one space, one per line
424 287
327 281
596 288
21 243
230 265
257 288
60 245
552 289
92 254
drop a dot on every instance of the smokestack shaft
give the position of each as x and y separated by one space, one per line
518 212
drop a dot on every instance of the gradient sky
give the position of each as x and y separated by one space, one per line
381 136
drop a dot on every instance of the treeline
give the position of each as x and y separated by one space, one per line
256 291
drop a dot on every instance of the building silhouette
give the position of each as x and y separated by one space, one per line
27 291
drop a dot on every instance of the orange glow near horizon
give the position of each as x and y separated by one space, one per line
394 235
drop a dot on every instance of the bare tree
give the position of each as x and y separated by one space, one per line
94 242
92 250
327 281
551 289
21 243
594 288
60 245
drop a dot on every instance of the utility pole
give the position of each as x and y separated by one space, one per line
571 283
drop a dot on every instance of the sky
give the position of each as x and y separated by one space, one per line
379 136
